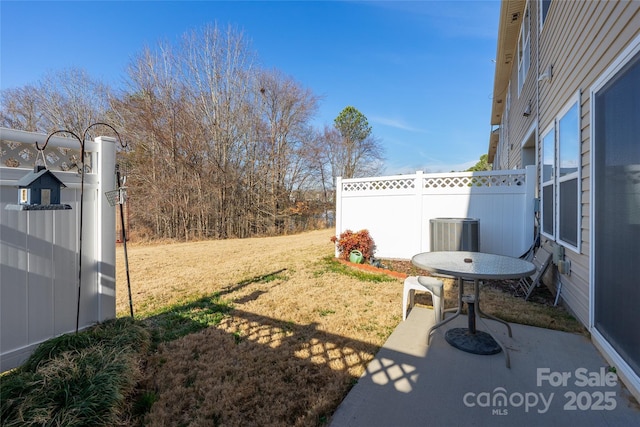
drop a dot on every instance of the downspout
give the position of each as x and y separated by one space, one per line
537 97
538 185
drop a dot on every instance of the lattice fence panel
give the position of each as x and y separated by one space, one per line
22 155
379 185
474 181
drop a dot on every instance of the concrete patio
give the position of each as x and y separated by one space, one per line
555 379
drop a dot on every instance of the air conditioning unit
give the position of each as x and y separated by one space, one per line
455 234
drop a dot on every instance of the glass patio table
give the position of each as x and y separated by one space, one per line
476 266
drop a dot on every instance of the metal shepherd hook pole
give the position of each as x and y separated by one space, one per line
82 172
121 200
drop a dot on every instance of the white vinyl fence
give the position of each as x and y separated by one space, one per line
397 209
39 249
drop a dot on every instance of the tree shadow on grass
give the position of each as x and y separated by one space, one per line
183 319
261 278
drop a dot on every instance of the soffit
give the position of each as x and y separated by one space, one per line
511 13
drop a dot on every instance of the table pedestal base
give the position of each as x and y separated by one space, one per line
476 343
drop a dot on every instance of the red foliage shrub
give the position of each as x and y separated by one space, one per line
349 241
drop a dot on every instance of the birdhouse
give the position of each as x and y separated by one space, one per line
39 190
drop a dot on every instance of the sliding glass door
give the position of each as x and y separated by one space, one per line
616 210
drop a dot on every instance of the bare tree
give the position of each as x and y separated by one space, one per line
321 165
166 154
222 138
71 99
20 109
217 146
324 158
62 100
217 70
286 108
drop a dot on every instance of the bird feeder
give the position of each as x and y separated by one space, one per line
39 190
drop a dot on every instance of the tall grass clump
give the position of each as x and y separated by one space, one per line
77 379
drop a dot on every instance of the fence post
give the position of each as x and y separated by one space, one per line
104 228
420 225
338 210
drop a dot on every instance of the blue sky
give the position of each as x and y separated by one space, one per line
420 71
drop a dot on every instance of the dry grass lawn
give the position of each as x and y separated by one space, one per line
295 341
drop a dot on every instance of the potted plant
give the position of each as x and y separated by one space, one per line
355 247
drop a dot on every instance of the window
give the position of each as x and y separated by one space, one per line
548 173
544 9
524 49
568 176
561 184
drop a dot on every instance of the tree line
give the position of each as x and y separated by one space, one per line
218 146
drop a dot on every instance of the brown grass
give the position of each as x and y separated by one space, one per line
293 345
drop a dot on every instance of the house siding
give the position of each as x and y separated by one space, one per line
580 39
518 125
